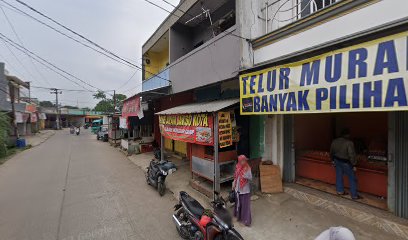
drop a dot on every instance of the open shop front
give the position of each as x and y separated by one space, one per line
313 135
136 124
212 131
362 88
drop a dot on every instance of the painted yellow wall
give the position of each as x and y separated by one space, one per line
158 61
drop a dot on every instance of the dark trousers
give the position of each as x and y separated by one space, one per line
345 168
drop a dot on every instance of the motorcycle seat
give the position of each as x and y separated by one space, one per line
192 205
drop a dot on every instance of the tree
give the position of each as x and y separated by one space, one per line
47 104
106 105
119 101
4 127
70 107
100 95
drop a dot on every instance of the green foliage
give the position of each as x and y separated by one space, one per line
4 127
100 95
46 104
106 105
70 107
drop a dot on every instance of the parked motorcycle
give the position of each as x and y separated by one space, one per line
193 222
77 130
157 173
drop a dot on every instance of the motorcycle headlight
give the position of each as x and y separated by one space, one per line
163 172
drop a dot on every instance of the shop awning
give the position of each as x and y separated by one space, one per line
203 107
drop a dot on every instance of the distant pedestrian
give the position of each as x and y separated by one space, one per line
336 233
241 185
343 155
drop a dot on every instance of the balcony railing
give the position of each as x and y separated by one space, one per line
157 81
282 12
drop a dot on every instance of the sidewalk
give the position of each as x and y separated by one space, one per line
39 137
276 216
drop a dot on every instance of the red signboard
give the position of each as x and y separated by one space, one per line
31 108
192 128
131 107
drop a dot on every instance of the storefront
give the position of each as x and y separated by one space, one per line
211 132
114 132
361 87
136 123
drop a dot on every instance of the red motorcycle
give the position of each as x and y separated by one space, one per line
193 222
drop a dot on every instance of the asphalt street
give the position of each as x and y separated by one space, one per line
75 188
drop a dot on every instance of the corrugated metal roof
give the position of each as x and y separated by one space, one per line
203 107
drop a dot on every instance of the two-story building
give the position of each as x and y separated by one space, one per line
315 67
10 94
192 61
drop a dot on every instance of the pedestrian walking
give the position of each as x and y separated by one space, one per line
241 185
343 155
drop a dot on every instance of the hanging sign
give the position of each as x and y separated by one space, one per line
123 122
224 129
131 107
368 77
192 128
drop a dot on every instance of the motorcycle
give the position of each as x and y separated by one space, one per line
77 131
157 173
194 223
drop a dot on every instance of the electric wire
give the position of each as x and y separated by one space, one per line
46 63
112 54
21 42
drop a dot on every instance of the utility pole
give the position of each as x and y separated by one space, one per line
114 101
56 92
13 109
29 91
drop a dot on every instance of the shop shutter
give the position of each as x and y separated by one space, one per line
401 164
288 149
180 147
168 144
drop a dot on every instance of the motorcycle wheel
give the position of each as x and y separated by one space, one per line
183 232
161 187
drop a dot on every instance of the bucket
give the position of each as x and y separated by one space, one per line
21 143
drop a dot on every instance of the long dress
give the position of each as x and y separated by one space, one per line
242 210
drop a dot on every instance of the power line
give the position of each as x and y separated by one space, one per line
126 81
17 59
64 34
158 6
177 8
69 90
10 65
80 35
45 62
21 42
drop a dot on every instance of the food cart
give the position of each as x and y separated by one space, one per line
210 130
114 132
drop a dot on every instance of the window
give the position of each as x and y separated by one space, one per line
307 7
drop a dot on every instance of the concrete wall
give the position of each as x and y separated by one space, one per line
214 61
167 23
181 41
373 15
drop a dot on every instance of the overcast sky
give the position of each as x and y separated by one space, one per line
121 26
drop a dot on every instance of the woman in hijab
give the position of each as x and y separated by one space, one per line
241 185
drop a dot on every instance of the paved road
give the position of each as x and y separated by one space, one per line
76 188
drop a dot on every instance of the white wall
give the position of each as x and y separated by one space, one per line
370 16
